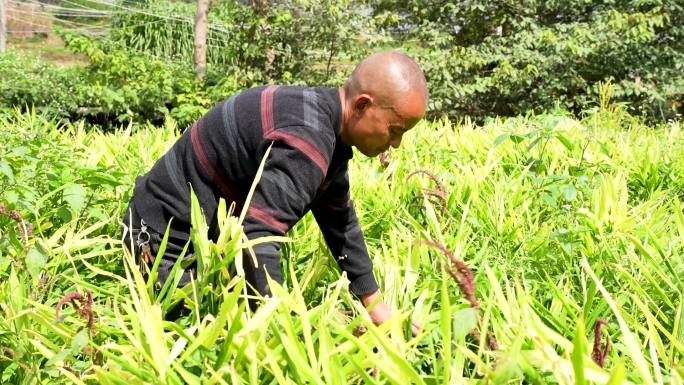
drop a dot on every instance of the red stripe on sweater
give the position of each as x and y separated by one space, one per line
263 215
267 109
215 174
308 148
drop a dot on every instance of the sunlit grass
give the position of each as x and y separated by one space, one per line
564 222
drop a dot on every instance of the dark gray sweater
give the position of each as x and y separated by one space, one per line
306 170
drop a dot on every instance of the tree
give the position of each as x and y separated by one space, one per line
503 57
3 26
201 39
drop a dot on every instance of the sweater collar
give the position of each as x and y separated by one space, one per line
345 151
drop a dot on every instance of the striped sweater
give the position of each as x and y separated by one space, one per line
306 170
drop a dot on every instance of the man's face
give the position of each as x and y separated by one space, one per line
376 128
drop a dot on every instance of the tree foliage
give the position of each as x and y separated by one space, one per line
505 58
481 58
291 41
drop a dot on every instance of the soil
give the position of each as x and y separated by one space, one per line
50 48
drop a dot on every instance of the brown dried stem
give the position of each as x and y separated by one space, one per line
421 207
440 192
12 356
25 227
599 355
433 177
85 310
8 351
435 193
384 159
465 279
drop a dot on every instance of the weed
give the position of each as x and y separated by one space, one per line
25 228
597 354
465 279
84 310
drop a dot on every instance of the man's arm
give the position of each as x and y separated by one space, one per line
335 214
288 184
339 224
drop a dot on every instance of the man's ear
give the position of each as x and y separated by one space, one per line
362 102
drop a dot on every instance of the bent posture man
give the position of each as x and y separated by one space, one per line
311 131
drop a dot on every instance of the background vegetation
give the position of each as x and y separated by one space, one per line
567 224
482 58
548 179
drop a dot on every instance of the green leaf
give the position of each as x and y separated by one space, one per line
617 376
578 352
565 141
569 192
534 142
6 170
11 197
549 199
4 263
79 341
8 373
74 195
517 138
35 262
500 139
464 321
445 327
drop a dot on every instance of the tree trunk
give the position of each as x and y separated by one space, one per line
259 6
201 39
3 26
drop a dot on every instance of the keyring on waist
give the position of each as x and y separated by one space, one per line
143 231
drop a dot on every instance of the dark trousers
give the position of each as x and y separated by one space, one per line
136 233
134 236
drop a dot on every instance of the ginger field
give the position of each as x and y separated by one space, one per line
534 250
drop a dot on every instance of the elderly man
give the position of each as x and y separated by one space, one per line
312 131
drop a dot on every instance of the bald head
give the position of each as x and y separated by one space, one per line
384 97
389 77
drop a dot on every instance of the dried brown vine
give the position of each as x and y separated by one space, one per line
84 310
25 227
599 355
465 279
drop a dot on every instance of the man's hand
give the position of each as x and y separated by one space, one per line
381 312
378 310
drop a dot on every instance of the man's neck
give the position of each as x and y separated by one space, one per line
343 121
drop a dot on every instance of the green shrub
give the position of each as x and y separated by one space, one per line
486 58
27 82
294 41
43 176
116 86
561 221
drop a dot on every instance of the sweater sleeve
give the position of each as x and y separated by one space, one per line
292 174
335 214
